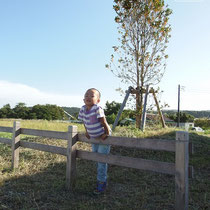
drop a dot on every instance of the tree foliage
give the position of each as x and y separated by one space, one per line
6 111
21 111
144 33
203 123
111 110
184 117
47 112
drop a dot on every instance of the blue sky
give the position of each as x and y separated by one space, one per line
51 51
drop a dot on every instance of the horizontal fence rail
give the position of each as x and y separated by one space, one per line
150 144
137 163
6 129
43 147
45 133
138 143
6 141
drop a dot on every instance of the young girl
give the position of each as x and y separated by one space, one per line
96 126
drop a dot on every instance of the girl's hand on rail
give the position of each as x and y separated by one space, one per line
87 135
104 136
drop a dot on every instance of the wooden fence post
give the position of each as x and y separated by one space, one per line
15 144
181 170
71 158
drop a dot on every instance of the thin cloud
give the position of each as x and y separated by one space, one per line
13 93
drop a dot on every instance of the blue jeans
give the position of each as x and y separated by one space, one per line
102 167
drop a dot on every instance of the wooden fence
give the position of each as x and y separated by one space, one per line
180 146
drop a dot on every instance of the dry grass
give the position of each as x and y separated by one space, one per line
39 182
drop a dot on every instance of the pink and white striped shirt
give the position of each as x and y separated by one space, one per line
91 120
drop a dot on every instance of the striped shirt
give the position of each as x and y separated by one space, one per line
91 120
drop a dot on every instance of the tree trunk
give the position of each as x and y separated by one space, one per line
139 106
138 115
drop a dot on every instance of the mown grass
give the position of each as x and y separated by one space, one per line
39 182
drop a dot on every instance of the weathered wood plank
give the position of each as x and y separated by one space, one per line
137 163
45 133
71 158
152 144
15 144
6 141
181 170
6 129
43 147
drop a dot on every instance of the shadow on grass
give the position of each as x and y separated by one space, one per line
35 187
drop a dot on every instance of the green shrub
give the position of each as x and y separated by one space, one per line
202 122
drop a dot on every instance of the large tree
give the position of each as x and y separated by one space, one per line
21 111
144 32
6 112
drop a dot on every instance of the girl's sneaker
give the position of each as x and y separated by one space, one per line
101 187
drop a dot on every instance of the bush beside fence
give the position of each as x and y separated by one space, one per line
181 146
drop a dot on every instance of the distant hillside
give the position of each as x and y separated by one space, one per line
196 114
72 110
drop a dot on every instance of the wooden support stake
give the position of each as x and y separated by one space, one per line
121 108
15 144
158 108
143 121
71 158
181 170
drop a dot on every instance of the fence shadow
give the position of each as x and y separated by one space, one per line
46 189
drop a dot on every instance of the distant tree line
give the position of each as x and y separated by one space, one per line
21 111
195 114
184 117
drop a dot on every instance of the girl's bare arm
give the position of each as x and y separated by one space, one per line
106 127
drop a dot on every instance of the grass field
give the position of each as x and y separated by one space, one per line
39 182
